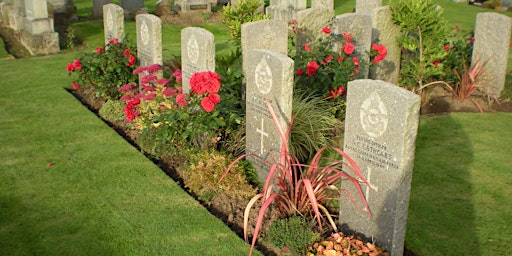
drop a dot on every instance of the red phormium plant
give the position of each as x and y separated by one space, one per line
300 189
470 80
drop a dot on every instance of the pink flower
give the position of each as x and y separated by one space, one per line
299 72
326 30
348 48
139 70
75 86
127 87
356 61
99 50
307 48
149 96
177 74
130 109
207 104
126 97
154 68
113 41
312 68
168 92
181 101
214 97
294 21
147 79
148 89
202 82
131 60
162 81
447 48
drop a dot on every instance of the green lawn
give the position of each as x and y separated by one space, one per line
103 197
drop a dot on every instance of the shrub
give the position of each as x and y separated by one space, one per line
206 168
424 33
300 189
293 233
112 111
107 69
245 11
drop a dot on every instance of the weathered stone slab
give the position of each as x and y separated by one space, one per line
386 31
310 23
97 7
380 133
197 53
269 76
322 4
492 37
113 22
132 8
367 6
361 28
149 39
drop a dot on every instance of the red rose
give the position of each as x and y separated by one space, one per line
356 61
312 68
207 104
113 41
447 48
70 67
215 98
75 86
299 72
436 63
126 53
307 48
203 82
348 48
181 101
131 60
99 50
340 58
77 64
326 30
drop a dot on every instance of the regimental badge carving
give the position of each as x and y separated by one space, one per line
374 116
144 33
263 76
110 21
193 49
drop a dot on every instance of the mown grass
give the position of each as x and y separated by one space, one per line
101 196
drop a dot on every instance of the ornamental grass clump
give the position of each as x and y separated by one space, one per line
302 189
107 69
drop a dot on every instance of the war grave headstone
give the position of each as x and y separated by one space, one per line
269 76
113 22
367 6
491 46
360 26
97 7
310 23
197 53
192 6
264 35
380 132
285 10
386 31
149 39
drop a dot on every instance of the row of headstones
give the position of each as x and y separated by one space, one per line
134 7
30 19
371 20
381 119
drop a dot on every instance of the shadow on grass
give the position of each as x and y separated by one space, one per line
441 211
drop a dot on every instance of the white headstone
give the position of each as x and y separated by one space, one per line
380 133
269 76
197 53
113 22
492 38
149 39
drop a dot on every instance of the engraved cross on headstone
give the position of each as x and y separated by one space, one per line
262 133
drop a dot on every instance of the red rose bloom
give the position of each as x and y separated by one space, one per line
113 41
377 59
436 63
348 48
215 98
70 67
307 48
99 50
447 48
131 60
203 82
326 30
181 101
75 86
77 64
126 53
207 104
356 61
340 58
299 72
312 68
